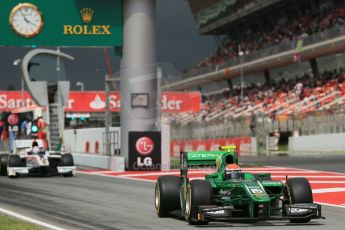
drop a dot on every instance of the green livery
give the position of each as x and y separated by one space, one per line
252 197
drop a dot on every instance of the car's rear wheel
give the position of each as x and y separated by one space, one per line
3 164
199 193
299 192
14 161
167 197
67 160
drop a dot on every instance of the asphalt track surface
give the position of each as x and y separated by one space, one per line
96 202
332 163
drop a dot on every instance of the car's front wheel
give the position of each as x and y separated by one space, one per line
199 193
167 196
298 192
3 164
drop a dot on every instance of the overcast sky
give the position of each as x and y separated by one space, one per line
179 43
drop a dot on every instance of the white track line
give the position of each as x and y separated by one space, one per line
326 182
28 219
100 171
340 177
164 173
323 182
327 190
332 205
115 177
314 170
284 172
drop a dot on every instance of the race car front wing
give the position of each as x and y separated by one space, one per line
66 169
13 171
293 212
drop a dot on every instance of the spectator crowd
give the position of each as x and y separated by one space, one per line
288 29
270 99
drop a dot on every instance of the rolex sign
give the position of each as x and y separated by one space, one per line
61 23
87 28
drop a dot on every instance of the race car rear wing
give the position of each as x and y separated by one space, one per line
201 157
207 158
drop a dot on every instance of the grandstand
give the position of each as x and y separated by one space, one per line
290 55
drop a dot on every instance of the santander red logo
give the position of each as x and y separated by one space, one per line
144 145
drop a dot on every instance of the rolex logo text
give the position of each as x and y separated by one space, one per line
86 15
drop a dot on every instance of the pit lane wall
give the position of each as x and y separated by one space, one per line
317 143
88 140
247 146
87 148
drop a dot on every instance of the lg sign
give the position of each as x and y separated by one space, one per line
144 150
145 147
13 119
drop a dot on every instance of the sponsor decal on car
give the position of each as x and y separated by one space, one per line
218 212
225 192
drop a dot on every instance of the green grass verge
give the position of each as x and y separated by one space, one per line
10 223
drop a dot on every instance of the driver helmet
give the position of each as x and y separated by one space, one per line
35 147
232 172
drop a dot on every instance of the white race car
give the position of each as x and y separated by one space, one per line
29 157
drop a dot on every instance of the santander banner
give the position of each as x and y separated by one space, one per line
94 101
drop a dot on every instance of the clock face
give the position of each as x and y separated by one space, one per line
26 20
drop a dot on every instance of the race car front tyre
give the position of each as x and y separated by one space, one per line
14 161
167 197
67 160
199 192
3 164
299 192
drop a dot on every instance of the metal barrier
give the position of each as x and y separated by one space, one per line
114 144
322 122
200 131
262 126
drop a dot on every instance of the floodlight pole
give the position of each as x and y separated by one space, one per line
81 84
16 63
107 116
240 53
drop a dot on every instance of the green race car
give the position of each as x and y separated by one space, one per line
228 196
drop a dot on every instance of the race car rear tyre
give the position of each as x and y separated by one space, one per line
167 196
14 161
3 164
299 192
199 193
67 160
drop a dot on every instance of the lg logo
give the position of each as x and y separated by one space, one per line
13 119
144 146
